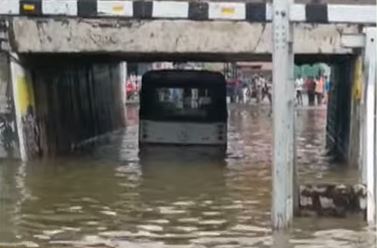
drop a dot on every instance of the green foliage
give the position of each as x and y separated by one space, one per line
309 70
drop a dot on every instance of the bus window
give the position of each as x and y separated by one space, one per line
182 102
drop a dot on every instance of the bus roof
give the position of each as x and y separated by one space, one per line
183 76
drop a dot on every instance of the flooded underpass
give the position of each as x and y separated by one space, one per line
113 198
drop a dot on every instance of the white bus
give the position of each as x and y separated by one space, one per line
183 108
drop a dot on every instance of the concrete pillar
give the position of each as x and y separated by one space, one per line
370 124
283 171
355 119
123 77
9 147
23 96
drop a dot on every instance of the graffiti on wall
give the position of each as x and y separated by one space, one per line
8 133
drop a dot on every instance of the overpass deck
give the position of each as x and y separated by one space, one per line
192 10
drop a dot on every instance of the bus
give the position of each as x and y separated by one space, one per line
183 108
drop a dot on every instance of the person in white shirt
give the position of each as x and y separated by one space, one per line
299 86
266 90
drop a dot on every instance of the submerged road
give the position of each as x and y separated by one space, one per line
112 198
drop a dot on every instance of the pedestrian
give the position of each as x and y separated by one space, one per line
238 91
266 90
244 93
327 89
299 86
319 88
250 90
311 85
258 88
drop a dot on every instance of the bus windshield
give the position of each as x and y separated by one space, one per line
187 101
181 102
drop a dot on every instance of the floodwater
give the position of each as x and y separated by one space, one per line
111 198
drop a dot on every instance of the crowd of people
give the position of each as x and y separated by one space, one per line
258 87
316 88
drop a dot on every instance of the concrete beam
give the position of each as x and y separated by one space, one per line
205 10
353 40
180 37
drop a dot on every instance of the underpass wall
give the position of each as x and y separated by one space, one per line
9 147
24 102
75 104
356 113
340 104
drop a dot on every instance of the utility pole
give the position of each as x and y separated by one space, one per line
123 83
370 128
283 169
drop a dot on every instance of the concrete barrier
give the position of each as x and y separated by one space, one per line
336 200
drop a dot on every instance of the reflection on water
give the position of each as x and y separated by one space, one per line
111 198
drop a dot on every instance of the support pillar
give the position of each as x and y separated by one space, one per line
123 78
370 124
283 117
9 147
23 95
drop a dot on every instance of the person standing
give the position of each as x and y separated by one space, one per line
299 85
259 84
327 88
319 87
266 91
244 92
311 85
238 91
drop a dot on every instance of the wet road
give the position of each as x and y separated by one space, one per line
111 198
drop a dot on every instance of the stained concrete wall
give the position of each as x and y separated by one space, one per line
76 103
207 40
345 110
354 152
9 147
60 107
24 102
339 117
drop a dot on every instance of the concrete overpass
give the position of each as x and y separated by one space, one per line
151 40
138 30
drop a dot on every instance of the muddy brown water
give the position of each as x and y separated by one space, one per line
112 198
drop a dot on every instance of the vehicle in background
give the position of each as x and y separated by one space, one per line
132 90
183 108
